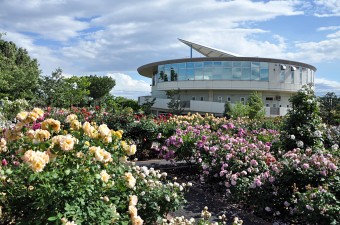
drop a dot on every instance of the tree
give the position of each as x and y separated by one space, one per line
303 125
75 91
255 104
51 89
330 108
175 105
100 86
147 105
55 90
19 74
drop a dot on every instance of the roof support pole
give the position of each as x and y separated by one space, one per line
190 51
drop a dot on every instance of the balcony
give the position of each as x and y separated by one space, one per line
205 107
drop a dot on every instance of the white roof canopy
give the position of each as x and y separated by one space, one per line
208 51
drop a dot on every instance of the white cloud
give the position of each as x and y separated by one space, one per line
328 28
314 52
111 35
116 35
327 8
127 87
324 85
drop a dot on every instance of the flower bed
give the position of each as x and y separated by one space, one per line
77 173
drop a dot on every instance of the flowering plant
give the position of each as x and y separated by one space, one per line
77 173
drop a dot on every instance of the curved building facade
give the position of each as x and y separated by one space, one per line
206 83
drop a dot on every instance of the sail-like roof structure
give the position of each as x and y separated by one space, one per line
208 51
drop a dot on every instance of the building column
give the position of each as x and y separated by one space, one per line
211 95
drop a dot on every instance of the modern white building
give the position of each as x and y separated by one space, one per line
206 83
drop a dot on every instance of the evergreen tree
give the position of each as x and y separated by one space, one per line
19 73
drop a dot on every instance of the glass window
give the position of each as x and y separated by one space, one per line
166 74
264 65
219 99
255 73
173 75
198 73
217 73
245 74
292 77
182 74
167 66
202 98
307 76
237 73
208 73
236 64
282 76
193 98
190 64
181 65
190 74
208 64
264 74
198 64
300 75
228 99
217 64
227 64
174 66
245 64
227 74
255 64
243 100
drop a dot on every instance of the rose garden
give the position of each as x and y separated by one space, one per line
77 165
62 164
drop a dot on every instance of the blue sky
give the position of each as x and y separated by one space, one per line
114 38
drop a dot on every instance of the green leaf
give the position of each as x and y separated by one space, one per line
67 172
52 218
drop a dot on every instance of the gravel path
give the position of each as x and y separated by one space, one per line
201 195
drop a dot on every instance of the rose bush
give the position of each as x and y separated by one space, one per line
77 173
286 173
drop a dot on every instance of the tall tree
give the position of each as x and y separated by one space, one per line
100 86
255 104
19 73
56 90
330 108
175 105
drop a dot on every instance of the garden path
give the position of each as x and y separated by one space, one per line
201 195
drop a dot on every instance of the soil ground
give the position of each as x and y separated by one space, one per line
203 194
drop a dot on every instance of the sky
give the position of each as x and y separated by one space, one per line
114 38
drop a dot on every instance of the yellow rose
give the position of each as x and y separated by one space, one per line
3 144
40 136
104 176
131 181
130 150
75 125
107 139
38 111
136 220
133 200
67 143
70 118
32 116
51 124
87 128
132 211
104 130
22 116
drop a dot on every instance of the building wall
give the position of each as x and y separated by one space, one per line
276 84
